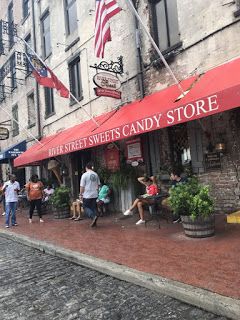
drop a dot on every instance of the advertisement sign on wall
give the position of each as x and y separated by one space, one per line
134 150
112 157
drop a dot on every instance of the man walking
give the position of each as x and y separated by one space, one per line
11 189
89 186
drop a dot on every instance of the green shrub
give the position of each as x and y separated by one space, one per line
191 199
61 197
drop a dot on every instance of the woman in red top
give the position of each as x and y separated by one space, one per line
151 190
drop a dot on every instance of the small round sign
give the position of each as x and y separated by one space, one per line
107 80
134 163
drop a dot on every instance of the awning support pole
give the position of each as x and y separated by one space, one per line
130 4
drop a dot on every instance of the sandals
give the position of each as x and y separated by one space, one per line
72 218
78 218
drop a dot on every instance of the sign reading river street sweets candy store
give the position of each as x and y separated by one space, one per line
197 109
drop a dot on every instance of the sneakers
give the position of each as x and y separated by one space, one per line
3 214
177 220
6 226
140 222
128 213
30 220
41 220
94 223
15 225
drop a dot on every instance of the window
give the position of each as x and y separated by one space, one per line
10 25
27 50
25 8
31 110
49 102
165 23
71 15
13 72
15 126
74 77
2 92
46 38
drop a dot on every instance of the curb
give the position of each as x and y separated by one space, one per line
201 298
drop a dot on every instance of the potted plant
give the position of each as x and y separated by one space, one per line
60 202
193 203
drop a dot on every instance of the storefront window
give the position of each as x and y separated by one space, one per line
179 143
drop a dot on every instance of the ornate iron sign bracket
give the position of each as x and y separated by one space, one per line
114 67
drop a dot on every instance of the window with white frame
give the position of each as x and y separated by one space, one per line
49 102
10 25
15 126
27 50
31 110
75 78
2 92
13 72
165 24
46 36
70 16
25 8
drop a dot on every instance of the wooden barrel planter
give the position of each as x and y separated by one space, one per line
200 227
61 213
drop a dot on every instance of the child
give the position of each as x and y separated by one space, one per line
103 197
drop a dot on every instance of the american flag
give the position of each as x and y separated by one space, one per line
105 10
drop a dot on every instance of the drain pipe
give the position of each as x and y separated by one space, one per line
39 131
139 57
38 113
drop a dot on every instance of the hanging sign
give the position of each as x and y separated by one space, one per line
4 133
107 93
107 80
107 85
134 150
112 158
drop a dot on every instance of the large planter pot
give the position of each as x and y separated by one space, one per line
200 227
61 213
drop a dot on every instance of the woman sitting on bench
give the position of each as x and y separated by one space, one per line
151 190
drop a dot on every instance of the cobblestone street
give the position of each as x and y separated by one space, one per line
36 286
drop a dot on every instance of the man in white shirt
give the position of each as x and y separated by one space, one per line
89 186
11 189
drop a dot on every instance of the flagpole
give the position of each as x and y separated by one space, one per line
130 4
21 127
70 93
90 116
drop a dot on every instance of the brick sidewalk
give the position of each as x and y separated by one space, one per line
210 263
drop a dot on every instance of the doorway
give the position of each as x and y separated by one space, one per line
79 160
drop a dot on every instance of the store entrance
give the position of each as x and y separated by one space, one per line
79 161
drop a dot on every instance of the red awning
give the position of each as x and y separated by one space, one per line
215 91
